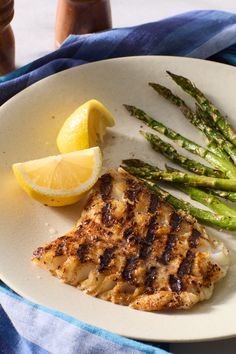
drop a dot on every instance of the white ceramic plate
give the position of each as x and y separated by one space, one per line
29 124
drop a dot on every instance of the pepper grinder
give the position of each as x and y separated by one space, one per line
7 41
81 17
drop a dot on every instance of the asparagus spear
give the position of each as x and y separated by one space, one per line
213 147
198 119
139 164
171 153
191 180
214 135
222 222
176 100
223 194
213 159
215 220
205 198
208 200
207 106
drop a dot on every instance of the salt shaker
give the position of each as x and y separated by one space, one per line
7 41
81 17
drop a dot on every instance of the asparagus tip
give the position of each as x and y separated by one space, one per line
134 163
128 107
152 84
130 161
157 87
169 73
175 77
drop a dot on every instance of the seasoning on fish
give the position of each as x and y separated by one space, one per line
131 247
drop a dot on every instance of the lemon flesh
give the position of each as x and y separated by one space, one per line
62 179
84 127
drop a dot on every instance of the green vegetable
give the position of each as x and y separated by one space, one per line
198 119
223 165
216 117
171 153
222 222
206 199
223 194
214 135
191 180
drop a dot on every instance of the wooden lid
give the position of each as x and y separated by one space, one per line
6 12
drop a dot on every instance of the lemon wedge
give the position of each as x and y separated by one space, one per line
62 179
84 127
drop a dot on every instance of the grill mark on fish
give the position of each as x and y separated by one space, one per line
153 204
106 258
136 240
106 214
175 283
170 244
150 237
150 277
127 232
194 238
175 221
129 211
141 240
185 268
186 264
127 273
82 252
133 190
106 186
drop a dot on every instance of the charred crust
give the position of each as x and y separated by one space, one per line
150 237
133 190
153 203
106 212
127 232
194 238
175 221
186 264
127 273
175 283
167 254
82 252
129 211
106 258
106 186
150 277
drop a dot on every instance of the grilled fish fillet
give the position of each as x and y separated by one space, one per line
131 247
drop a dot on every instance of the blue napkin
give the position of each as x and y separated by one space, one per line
197 34
29 328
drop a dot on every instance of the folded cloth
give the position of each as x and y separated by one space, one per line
29 328
198 34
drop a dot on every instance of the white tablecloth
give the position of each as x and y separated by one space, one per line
33 26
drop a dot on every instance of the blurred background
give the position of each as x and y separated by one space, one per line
34 21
